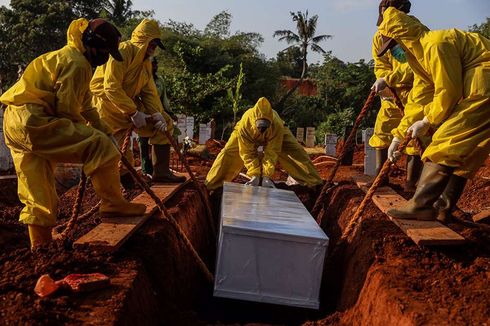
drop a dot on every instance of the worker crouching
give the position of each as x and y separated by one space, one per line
46 122
261 126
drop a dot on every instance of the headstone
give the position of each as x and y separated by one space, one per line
6 162
189 123
369 154
310 137
204 132
270 249
300 135
181 124
331 144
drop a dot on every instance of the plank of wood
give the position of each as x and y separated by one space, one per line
423 233
482 217
109 235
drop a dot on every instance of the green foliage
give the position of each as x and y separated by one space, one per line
236 97
335 123
483 28
219 26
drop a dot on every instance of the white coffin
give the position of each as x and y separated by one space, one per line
270 249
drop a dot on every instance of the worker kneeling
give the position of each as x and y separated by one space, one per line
46 122
261 126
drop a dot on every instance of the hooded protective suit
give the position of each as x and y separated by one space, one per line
398 76
45 122
121 88
279 146
458 65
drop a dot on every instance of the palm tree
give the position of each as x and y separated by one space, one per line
304 38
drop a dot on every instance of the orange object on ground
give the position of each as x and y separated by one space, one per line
46 286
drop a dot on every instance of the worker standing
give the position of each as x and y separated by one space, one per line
399 77
126 96
46 122
261 126
458 64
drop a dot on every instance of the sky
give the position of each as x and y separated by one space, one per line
351 22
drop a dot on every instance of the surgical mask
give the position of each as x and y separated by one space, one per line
398 53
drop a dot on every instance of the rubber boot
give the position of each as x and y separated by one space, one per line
39 235
414 168
432 183
161 165
381 157
448 199
106 184
146 166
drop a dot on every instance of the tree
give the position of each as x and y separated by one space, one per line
219 26
483 28
304 38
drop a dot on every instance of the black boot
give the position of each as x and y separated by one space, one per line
160 157
448 199
381 157
414 168
433 181
146 166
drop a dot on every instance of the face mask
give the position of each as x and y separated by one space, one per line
398 53
100 58
262 125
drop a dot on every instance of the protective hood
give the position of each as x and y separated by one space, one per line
75 32
262 110
407 31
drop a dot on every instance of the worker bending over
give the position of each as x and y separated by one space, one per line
458 64
396 74
125 95
261 126
46 122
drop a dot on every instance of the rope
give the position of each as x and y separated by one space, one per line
75 209
348 143
202 192
168 216
356 219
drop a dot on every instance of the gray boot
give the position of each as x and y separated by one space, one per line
160 157
381 157
448 199
432 183
414 168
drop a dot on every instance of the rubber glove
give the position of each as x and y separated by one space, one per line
157 117
393 154
161 126
253 182
419 128
379 85
267 182
139 119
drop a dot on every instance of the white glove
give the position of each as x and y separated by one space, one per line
393 154
161 126
379 85
267 182
419 128
157 117
139 119
253 182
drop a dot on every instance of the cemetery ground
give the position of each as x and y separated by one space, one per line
380 278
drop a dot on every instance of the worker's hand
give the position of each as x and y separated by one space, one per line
379 85
393 154
419 128
161 126
157 117
139 119
267 182
253 182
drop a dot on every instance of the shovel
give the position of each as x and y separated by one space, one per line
46 286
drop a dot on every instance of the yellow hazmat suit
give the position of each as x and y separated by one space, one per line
279 146
458 64
45 122
398 76
121 88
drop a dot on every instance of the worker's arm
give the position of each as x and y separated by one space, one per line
248 152
113 88
272 150
149 97
447 74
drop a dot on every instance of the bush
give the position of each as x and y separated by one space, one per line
335 124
